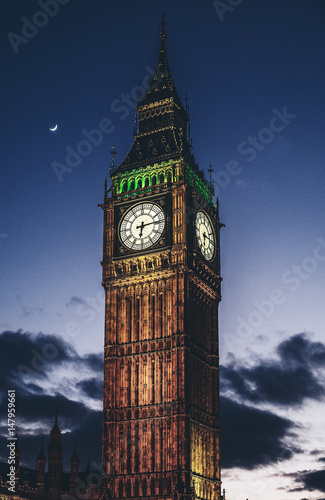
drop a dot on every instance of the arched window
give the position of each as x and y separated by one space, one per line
146 182
162 178
153 317
139 184
129 317
144 488
128 488
124 187
154 180
161 314
137 319
121 488
153 461
132 185
136 458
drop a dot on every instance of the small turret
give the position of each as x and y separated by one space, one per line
55 461
41 461
74 472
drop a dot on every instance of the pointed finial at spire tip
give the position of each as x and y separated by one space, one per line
112 164
210 172
163 25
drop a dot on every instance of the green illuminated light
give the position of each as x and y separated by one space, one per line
146 177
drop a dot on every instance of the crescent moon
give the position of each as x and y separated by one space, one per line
54 128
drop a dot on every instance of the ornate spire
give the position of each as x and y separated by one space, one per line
210 172
211 182
55 429
55 441
162 84
160 131
17 444
163 25
112 162
74 457
41 455
88 463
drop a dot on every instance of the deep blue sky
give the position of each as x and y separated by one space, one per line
262 59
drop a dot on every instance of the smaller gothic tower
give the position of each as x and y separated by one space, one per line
55 461
41 460
74 473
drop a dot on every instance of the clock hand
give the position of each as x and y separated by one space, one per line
153 222
141 228
207 237
144 225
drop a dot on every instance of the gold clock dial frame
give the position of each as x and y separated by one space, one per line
205 235
142 226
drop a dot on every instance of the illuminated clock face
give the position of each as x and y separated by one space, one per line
205 235
142 226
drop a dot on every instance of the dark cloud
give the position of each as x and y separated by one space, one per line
26 359
33 408
31 365
317 452
95 362
288 381
23 353
314 480
79 424
92 388
300 350
311 480
251 437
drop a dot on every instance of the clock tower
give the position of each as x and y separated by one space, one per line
161 275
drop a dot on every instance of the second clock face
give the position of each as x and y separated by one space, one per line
142 226
205 235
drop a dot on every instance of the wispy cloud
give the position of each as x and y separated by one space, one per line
75 301
31 311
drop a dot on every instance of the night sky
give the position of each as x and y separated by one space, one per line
254 74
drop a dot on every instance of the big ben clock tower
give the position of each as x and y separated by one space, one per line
161 276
